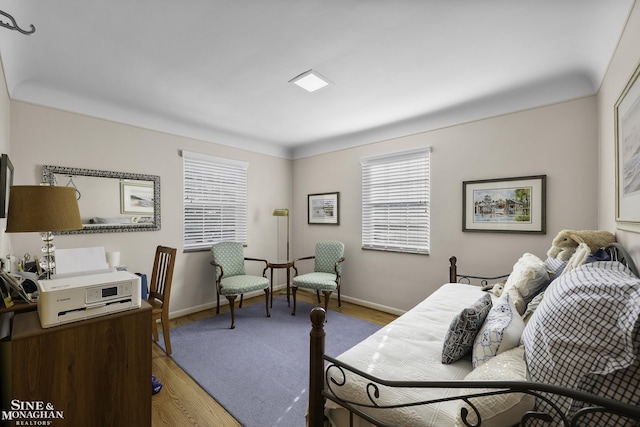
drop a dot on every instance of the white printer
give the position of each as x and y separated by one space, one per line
69 299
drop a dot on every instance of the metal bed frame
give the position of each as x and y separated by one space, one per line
325 369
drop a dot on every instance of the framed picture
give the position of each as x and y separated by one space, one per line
507 205
6 181
627 139
136 198
323 208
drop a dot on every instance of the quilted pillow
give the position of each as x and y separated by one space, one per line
500 332
464 328
529 274
586 324
500 410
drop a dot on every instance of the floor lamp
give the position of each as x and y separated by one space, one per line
44 209
284 212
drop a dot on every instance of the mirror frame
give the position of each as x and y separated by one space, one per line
48 172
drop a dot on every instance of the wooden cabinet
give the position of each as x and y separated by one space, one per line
97 371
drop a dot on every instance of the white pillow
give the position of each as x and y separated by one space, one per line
501 409
529 274
501 331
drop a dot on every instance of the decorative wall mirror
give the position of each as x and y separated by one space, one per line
110 202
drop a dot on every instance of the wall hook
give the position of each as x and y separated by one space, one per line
13 25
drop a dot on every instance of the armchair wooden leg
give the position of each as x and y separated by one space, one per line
241 299
165 332
217 302
327 295
318 295
232 299
294 291
339 302
266 291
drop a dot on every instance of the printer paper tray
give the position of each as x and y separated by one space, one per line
90 312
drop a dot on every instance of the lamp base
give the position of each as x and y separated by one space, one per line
47 262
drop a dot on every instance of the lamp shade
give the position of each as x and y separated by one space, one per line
281 212
42 208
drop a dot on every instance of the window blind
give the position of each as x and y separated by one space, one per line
215 200
395 202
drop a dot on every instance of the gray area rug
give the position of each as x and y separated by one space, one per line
259 371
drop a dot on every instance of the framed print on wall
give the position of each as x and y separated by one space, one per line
6 181
136 198
627 140
506 205
323 208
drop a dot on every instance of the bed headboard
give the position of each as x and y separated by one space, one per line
455 277
616 252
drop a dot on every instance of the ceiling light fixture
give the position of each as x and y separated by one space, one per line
310 81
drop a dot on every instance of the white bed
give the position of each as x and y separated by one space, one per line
410 349
575 347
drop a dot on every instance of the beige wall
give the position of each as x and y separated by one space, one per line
5 241
545 140
559 141
47 136
622 66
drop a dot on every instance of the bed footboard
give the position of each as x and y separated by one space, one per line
321 375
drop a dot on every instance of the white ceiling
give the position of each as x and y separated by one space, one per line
218 70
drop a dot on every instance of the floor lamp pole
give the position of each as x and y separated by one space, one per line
283 212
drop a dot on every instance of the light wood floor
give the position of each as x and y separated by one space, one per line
182 402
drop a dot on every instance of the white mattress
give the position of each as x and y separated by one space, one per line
410 349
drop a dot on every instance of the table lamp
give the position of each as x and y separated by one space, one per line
44 209
284 212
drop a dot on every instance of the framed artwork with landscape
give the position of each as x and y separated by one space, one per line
505 205
323 208
627 140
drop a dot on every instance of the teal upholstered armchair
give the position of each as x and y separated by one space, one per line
326 272
231 278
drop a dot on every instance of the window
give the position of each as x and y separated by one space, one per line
215 200
395 202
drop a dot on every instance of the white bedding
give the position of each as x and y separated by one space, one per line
410 349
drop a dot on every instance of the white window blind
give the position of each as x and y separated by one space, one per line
215 200
395 202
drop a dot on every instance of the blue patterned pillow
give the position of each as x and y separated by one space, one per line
501 332
463 329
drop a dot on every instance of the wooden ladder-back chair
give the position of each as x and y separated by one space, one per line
160 291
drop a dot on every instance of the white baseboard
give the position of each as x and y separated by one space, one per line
368 304
212 304
277 288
